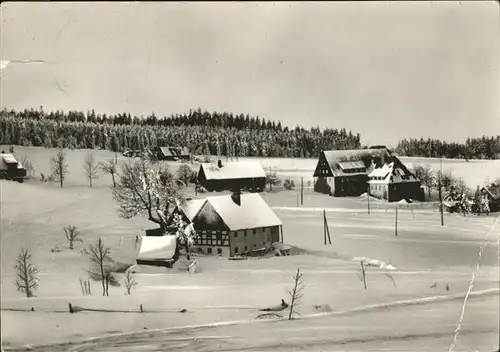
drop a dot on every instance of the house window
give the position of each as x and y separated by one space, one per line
254 231
246 248
245 233
235 234
209 250
236 250
219 251
214 232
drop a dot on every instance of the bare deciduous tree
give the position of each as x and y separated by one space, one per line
296 294
149 189
28 166
427 176
72 235
130 282
60 166
109 168
90 166
100 259
26 273
146 189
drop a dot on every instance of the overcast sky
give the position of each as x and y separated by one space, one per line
384 69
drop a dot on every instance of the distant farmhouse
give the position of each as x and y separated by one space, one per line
171 153
241 175
230 225
342 173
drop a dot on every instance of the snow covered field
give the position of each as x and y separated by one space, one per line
420 317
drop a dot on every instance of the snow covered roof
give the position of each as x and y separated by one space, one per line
9 158
345 162
191 207
252 213
335 156
349 165
392 172
157 247
384 172
174 151
166 151
233 170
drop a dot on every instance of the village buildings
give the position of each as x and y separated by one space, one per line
231 225
241 175
345 172
354 172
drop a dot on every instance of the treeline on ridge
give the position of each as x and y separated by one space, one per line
223 134
474 148
208 133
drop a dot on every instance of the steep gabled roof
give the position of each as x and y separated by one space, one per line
252 213
343 162
393 171
233 170
191 207
490 191
8 158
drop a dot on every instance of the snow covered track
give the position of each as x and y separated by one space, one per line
147 336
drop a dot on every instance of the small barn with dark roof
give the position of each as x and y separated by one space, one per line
345 172
231 176
230 225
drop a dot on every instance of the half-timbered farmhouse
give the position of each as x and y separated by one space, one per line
241 175
234 224
345 172
393 181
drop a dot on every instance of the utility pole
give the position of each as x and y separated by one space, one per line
396 223
440 191
302 190
368 197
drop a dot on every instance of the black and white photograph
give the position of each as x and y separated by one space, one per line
250 176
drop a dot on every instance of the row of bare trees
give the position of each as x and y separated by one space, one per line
59 168
102 268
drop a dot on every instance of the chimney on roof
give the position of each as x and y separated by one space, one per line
236 197
219 163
